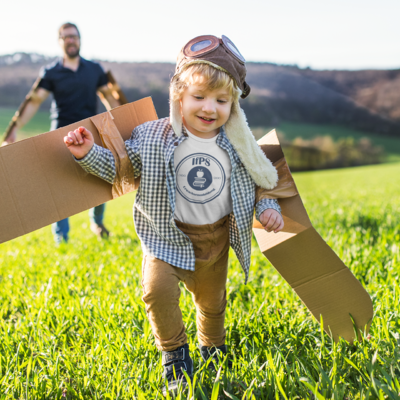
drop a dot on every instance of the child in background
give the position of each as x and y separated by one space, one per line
201 178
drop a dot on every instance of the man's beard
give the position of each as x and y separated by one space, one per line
72 51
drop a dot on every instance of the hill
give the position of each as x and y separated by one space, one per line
379 91
279 93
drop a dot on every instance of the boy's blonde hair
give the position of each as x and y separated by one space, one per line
203 74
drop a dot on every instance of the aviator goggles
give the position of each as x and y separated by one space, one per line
219 51
202 45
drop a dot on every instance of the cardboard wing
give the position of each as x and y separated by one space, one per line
40 183
313 270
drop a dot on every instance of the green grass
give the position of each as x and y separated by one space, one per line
40 123
290 131
73 325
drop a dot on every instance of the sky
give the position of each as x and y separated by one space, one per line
320 34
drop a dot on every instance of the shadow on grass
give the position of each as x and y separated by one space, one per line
367 223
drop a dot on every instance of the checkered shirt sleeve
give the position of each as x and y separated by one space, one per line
264 204
99 162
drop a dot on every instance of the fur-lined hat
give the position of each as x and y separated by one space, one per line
222 54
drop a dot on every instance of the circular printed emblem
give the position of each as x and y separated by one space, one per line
200 178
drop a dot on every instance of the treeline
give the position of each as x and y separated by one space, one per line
323 153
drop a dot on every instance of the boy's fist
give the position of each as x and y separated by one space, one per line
271 220
79 142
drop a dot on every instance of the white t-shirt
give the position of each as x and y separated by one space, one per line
203 181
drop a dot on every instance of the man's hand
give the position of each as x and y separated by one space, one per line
106 97
79 142
271 220
12 137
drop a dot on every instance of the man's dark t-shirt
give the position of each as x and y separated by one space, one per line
74 92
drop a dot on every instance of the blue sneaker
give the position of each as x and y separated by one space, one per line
175 362
59 238
214 353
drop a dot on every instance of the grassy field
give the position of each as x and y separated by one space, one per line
73 325
40 123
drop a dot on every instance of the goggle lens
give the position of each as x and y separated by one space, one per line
233 49
200 45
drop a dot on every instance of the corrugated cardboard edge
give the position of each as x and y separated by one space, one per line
323 282
41 183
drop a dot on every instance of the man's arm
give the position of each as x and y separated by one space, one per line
37 98
106 97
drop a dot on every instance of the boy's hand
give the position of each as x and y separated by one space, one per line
271 220
79 142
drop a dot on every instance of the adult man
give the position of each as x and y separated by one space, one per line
74 83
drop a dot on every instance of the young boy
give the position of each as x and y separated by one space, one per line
201 174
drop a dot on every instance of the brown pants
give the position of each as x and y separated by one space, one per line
207 284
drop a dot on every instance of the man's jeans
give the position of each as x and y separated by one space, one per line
60 229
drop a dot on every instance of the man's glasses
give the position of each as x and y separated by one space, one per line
72 37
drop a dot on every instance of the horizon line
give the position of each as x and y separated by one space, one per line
293 65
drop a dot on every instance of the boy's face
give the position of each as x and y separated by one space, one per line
204 111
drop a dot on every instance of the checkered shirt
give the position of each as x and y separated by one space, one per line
151 151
